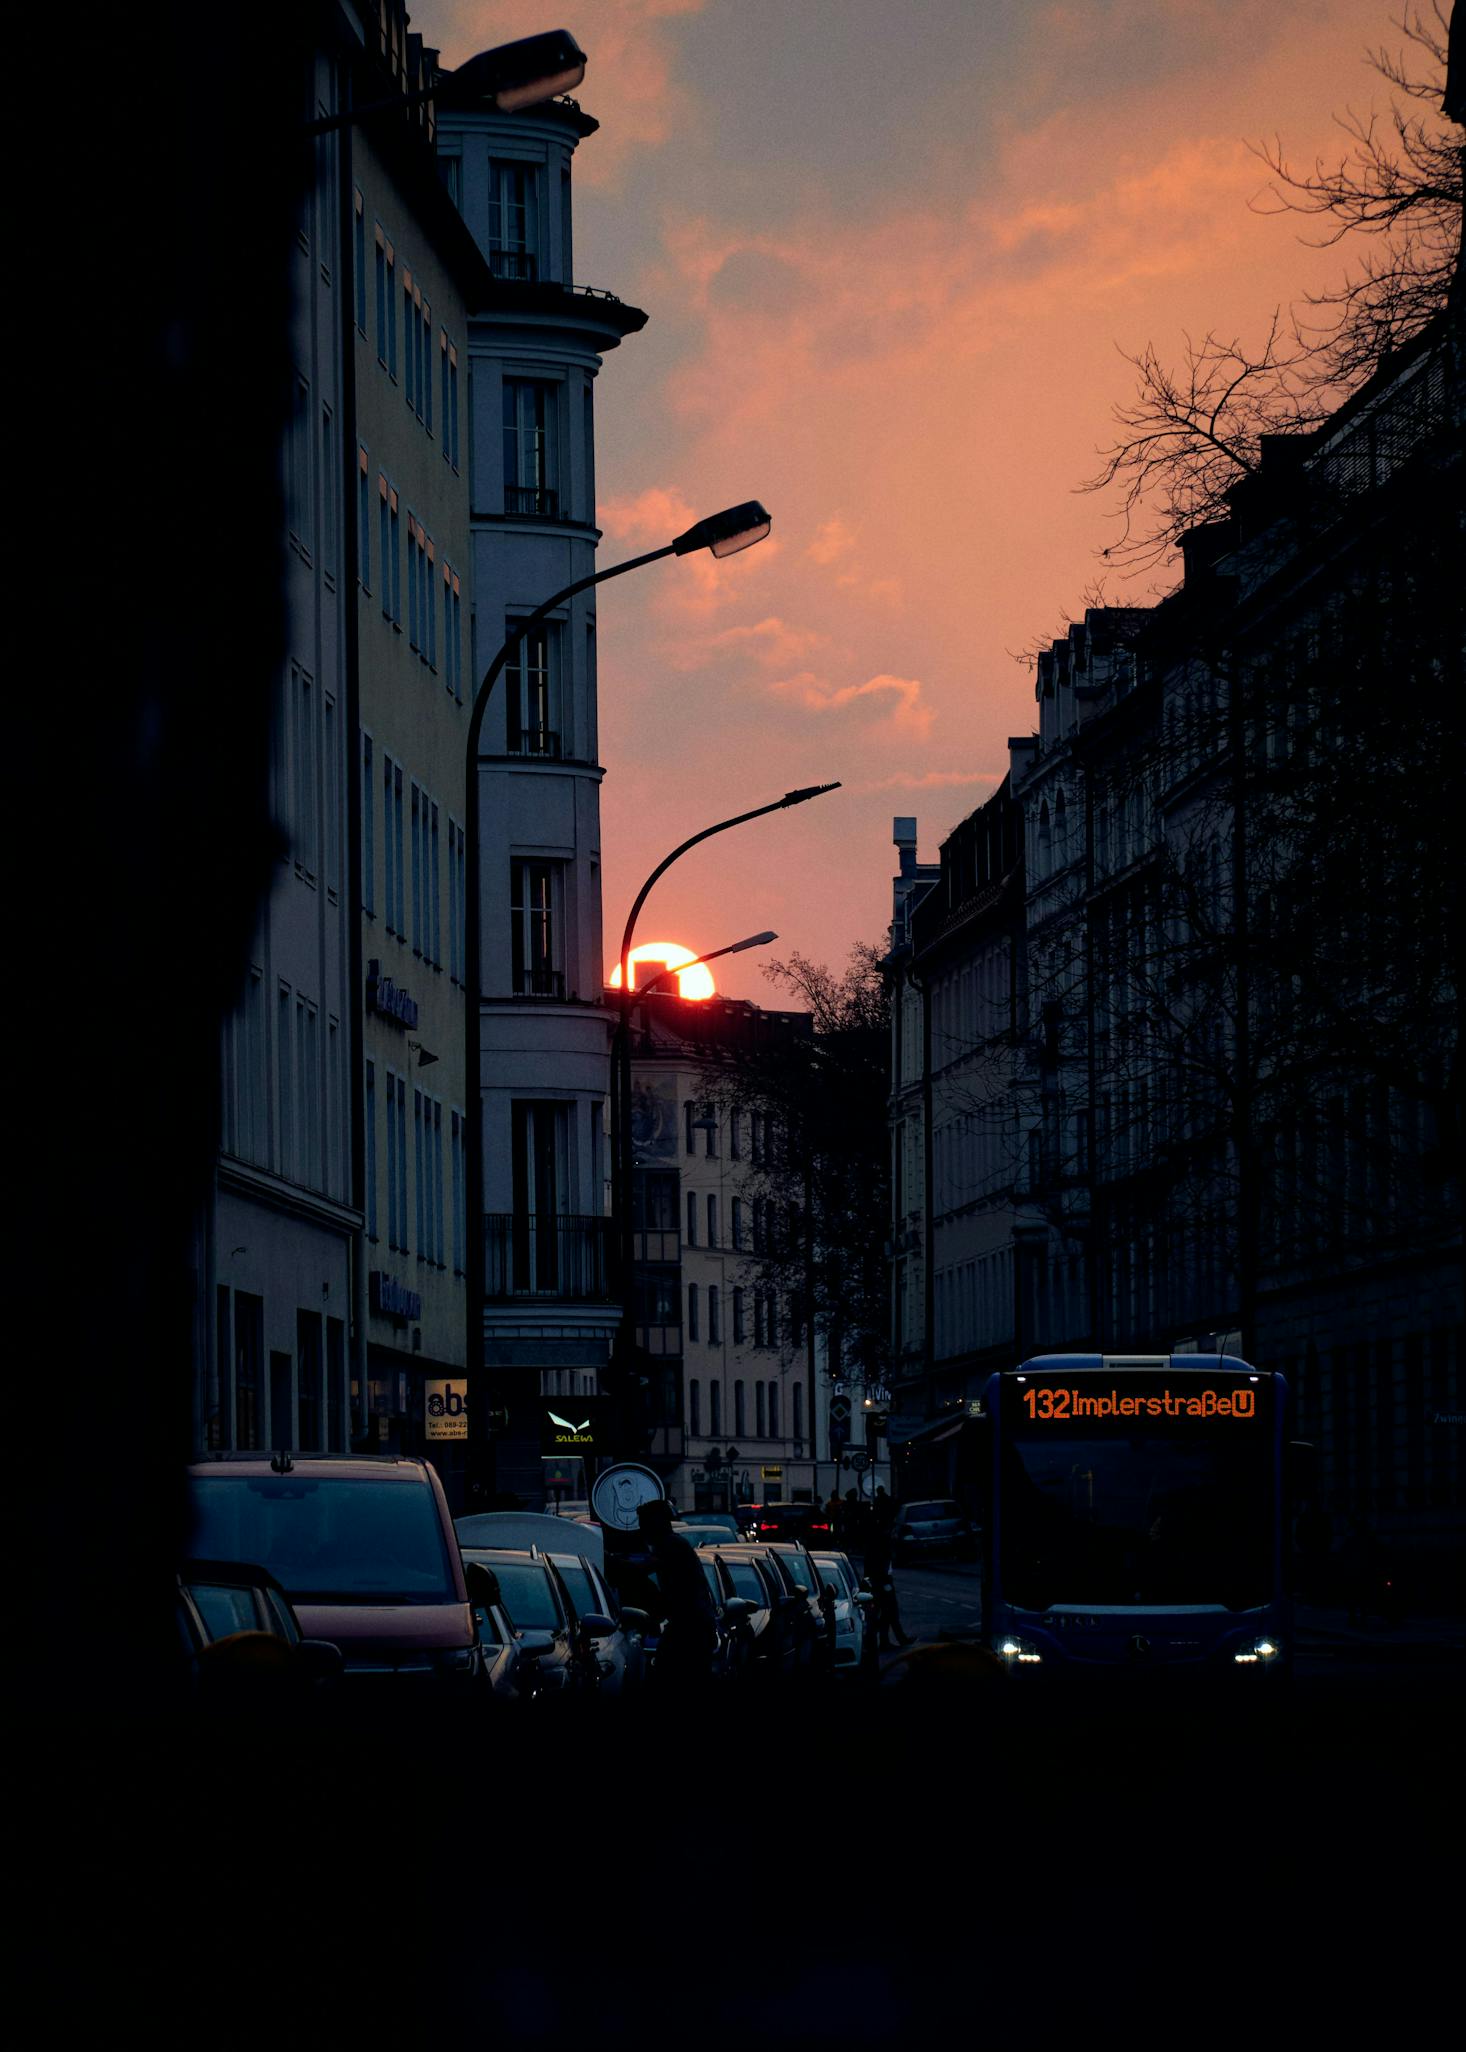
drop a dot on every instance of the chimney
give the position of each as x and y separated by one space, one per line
903 833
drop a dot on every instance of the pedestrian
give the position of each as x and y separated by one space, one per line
689 1634
886 1616
883 1511
835 1512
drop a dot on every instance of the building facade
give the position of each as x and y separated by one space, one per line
740 1397
534 349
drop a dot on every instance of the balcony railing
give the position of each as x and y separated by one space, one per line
535 500
535 741
547 1254
541 983
513 263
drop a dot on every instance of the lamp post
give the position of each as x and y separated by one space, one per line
621 1162
512 75
724 534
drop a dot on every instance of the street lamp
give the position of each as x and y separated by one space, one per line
512 75
621 1163
735 528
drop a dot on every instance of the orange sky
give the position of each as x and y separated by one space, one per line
889 256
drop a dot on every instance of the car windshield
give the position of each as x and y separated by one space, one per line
931 1513
224 1610
723 1520
327 1539
1152 1518
529 1594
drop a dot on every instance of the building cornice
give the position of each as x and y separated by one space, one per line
263 1187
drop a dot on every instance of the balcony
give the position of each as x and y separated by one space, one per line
536 501
554 1255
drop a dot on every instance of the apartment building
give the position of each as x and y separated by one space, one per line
534 349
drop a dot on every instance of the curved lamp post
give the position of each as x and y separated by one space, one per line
512 75
724 534
621 1162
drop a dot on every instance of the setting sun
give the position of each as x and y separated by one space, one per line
691 983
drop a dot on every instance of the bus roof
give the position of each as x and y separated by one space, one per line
1110 1364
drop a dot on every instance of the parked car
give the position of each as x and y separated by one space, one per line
698 1534
746 1515
722 1522
578 1551
243 1639
802 1572
936 1530
782 1633
851 1605
363 1547
560 1644
506 1676
792 1521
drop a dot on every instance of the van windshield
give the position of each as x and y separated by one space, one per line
328 1539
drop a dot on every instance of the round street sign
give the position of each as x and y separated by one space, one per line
618 1492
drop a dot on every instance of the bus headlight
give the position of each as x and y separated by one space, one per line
1257 1653
1017 1652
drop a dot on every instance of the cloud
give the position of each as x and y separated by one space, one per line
907 714
655 515
832 539
931 780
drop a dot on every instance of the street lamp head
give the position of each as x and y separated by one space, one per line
755 940
726 533
809 791
516 75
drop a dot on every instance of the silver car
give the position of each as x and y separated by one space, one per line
851 1605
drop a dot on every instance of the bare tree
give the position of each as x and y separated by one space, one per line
1189 434
1400 184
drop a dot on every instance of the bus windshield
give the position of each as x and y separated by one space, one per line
1175 1510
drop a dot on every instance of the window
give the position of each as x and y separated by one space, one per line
691 1219
715 1409
457 1141
419 867
738 1325
456 949
735 1138
433 929
391 312
772 1320
534 916
306 807
359 259
694 1408
335 1434
381 297
512 220
370 1138
450 424
328 493
708 1119
773 1410
692 1311
715 1317
758 1318
284 1095
333 796
712 1220
760 1421
409 341
415 635
397 1088
450 170
396 553
298 477
797 1394
249 1355
737 1219
529 714
309 1393
384 544
740 1416
363 520
420 1178
430 605
425 366
529 454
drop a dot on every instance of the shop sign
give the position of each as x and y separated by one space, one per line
447 1409
387 999
570 1424
774 1474
392 1299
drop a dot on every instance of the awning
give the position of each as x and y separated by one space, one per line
932 1434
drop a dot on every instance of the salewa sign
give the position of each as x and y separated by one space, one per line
571 1426
387 1000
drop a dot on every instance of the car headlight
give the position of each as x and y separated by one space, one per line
1258 1653
1017 1652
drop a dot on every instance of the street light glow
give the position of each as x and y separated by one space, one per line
671 958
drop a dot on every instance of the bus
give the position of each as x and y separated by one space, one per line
1135 1516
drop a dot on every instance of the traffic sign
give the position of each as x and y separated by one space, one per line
839 1409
